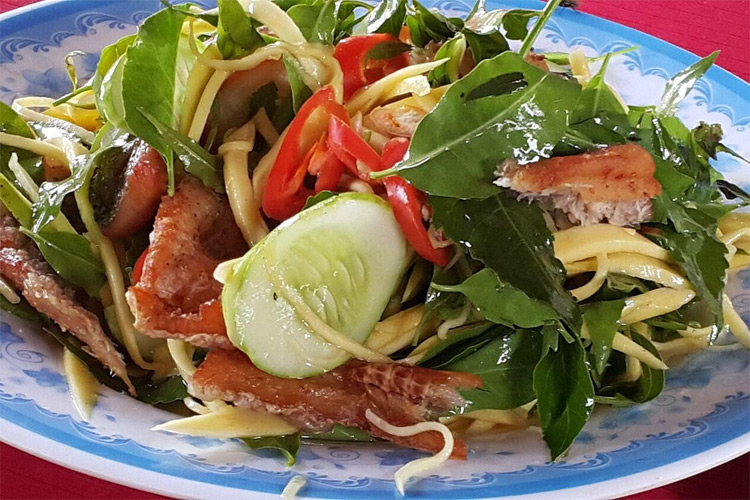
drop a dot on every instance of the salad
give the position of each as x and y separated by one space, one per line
324 220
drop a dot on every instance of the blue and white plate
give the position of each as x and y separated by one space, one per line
701 419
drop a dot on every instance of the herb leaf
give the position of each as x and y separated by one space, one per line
300 91
479 134
701 256
195 160
318 197
70 255
506 365
52 194
287 445
511 238
171 390
600 319
565 395
680 85
152 74
386 17
237 34
648 386
597 97
460 343
11 123
502 303
316 21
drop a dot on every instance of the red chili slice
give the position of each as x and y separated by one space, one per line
286 193
352 149
352 53
407 204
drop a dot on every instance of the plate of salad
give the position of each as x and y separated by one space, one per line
333 249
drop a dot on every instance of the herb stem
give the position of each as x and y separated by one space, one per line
70 95
538 26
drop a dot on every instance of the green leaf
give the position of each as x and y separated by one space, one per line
108 58
461 342
287 445
597 97
511 238
536 30
648 386
70 255
708 137
195 160
733 191
506 365
11 123
318 197
300 91
387 50
453 50
485 45
171 390
386 17
152 74
680 85
237 34
502 303
693 246
516 22
108 147
426 25
478 134
342 433
565 395
673 171
601 321
185 8
563 58
15 201
442 305
317 21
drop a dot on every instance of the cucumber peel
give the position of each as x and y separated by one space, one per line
339 261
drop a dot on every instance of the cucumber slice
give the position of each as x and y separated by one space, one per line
344 256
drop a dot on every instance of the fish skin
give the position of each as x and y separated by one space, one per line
177 296
402 395
23 265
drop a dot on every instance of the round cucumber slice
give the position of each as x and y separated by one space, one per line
344 257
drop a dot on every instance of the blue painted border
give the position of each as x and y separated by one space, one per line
727 422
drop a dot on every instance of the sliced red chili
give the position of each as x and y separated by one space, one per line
324 164
407 204
285 193
352 149
352 55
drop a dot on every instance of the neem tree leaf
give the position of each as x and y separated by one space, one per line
565 395
475 132
511 238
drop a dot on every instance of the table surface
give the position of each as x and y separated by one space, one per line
699 26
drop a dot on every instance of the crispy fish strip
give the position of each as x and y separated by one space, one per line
177 296
402 395
22 265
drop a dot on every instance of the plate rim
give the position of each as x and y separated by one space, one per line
96 466
25 439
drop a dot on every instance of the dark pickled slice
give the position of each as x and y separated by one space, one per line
126 188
